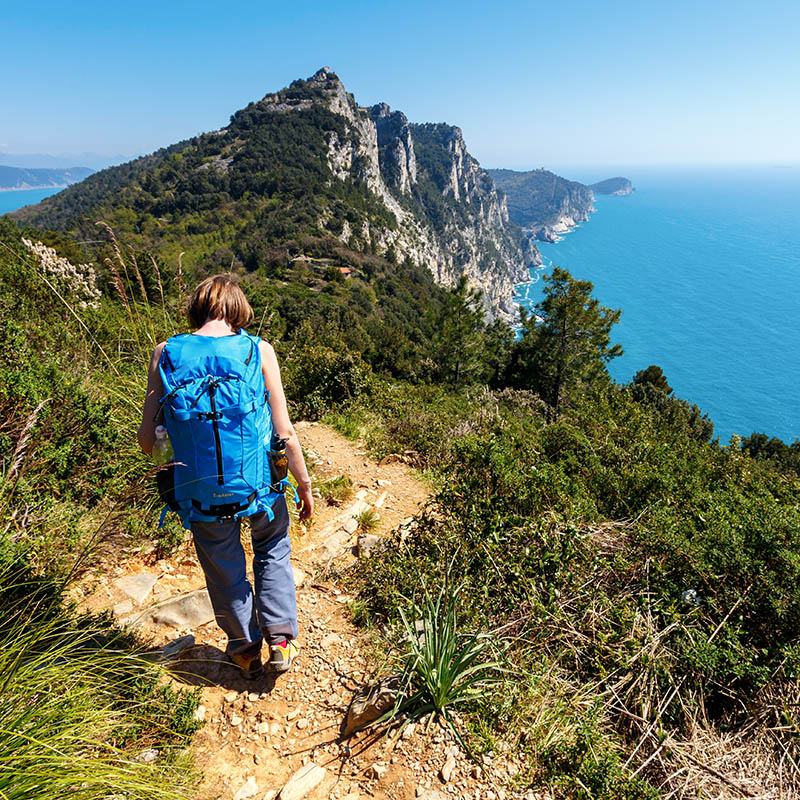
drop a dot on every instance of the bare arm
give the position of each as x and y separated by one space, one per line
284 428
155 389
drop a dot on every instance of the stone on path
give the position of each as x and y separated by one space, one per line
184 611
137 587
447 770
335 543
370 703
249 789
299 577
350 525
302 782
329 640
430 794
122 608
376 771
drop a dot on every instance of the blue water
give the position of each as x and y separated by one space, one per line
11 201
705 265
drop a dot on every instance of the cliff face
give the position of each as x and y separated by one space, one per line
543 203
448 211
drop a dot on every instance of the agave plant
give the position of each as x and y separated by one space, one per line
442 667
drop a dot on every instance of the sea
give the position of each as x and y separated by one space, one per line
12 200
705 265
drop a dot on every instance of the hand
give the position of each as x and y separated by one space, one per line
305 502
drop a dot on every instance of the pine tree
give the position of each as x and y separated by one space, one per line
566 343
459 342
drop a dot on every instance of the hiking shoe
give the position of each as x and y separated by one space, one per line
282 655
249 666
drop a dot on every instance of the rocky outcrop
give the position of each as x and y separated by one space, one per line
617 186
449 215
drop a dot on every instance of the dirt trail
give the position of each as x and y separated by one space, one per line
257 734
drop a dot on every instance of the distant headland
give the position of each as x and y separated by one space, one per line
546 205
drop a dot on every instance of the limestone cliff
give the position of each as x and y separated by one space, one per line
449 214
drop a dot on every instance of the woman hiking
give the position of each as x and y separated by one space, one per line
218 390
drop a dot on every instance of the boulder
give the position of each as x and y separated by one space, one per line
367 543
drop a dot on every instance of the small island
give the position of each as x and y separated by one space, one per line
616 186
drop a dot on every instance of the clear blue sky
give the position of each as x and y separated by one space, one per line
531 84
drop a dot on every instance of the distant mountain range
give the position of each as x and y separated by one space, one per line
94 161
22 178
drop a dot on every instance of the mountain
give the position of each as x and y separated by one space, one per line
307 170
612 186
542 202
22 178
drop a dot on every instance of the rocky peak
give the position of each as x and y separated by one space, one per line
323 75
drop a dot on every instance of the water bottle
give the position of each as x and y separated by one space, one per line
278 462
162 449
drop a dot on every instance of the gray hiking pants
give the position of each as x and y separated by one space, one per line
274 614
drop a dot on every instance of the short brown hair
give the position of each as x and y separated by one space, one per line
219 297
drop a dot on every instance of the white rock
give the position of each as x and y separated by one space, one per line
376 771
137 587
249 789
303 781
447 770
299 577
199 713
330 639
123 608
231 696
148 756
350 525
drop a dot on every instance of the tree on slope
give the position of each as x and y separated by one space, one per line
566 344
458 345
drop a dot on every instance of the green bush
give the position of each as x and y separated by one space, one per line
320 378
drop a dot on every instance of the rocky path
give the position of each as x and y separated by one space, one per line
281 737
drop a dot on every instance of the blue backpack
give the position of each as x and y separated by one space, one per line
220 426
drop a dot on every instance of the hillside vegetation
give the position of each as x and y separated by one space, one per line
642 577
